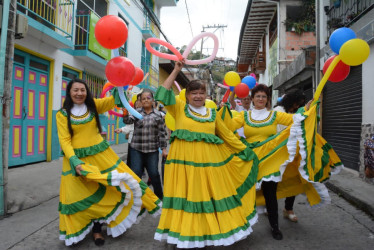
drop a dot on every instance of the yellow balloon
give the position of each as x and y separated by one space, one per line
354 52
182 95
232 78
133 99
210 104
234 113
170 121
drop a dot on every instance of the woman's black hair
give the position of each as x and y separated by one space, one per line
195 85
68 104
294 96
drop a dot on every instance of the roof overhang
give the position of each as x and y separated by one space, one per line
255 23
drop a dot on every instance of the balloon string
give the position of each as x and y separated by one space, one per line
324 79
177 85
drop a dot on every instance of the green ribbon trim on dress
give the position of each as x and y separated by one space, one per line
89 224
200 164
274 149
210 118
143 186
92 150
208 237
211 206
83 204
112 167
273 115
156 208
187 135
79 122
248 155
166 96
325 159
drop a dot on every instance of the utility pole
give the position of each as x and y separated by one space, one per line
6 66
210 82
216 27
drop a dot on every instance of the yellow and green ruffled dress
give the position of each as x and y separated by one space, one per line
210 181
298 157
107 192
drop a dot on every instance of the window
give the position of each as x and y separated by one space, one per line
100 7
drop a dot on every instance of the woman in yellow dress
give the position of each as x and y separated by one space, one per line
291 162
96 186
210 176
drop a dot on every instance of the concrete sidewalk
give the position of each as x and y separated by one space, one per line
33 196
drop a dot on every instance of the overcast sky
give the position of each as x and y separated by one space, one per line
176 27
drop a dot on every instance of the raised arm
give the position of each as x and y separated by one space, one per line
232 100
171 78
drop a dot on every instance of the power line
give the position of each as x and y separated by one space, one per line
189 20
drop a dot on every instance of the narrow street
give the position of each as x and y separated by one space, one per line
337 226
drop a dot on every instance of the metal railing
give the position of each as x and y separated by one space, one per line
153 78
345 13
58 15
122 51
149 25
82 32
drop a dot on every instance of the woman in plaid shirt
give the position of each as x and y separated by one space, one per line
149 135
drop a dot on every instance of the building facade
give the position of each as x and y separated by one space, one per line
287 50
55 43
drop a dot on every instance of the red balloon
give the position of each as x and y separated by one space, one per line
241 90
111 32
120 71
340 72
138 76
131 104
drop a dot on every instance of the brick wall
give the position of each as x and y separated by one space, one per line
295 43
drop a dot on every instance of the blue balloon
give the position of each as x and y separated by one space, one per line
126 87
339 37
232 88
279 99
127 104
250 81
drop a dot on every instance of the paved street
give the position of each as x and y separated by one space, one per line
337 226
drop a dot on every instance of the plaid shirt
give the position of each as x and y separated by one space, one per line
149 133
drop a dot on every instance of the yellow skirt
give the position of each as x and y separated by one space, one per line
209 196
107 192
299 159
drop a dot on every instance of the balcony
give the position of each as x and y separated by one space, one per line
85 45
167 3
149 28
260 61
345 13
152 80
53 18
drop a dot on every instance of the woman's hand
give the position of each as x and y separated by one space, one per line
179 65
118 131
78 169
307 106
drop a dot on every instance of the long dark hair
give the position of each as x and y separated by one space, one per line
294 96
68 104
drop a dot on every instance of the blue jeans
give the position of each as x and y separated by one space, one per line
139 160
